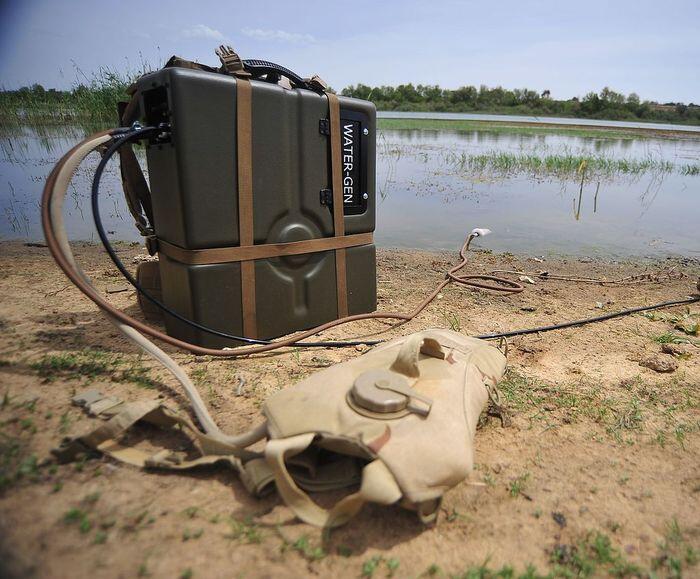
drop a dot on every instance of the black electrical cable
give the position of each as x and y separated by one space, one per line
134 135
138 133
258 67
610 316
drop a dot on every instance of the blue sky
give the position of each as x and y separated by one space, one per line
570 48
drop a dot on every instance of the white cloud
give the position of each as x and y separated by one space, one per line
278 35
202 31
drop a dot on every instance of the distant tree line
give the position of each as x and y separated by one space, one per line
607 104
97 101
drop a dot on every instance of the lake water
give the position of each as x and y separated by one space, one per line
536 120
428 199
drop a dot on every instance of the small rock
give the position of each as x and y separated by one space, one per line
362 348
599 305
115 288
497 468
528 309
141 257
559 519
526 279
659 364
674 350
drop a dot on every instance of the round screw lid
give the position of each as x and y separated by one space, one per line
373 390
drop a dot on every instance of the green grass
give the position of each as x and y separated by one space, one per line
517 486
90 364
75 516
592 555
562 165
512 128
635 407
92 100
87 363
452 320
303 546
246 531
16 463
671 338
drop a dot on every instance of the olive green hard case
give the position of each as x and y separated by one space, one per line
193 180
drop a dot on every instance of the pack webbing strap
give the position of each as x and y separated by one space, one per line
106 439
244 147
136 191
261 251
338 214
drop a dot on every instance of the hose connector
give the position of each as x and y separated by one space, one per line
479 232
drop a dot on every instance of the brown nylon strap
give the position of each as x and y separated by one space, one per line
244 144
338 214
263 251
136 191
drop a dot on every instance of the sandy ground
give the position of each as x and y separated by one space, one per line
597 473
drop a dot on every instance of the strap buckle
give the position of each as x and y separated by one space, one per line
230 61
97 404
316 83
151 242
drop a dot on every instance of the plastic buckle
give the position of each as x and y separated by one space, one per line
107 407
230 61
317 83
87 398
151 242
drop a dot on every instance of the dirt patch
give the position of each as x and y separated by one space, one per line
596 474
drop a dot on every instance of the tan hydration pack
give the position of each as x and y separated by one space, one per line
397 423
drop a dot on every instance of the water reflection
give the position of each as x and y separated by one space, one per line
27 155
428 200
429 197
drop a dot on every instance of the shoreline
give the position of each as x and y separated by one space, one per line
555 256
505 125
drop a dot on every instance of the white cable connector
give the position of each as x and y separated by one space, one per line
479 232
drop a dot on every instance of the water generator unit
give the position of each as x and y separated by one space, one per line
261 210
262 198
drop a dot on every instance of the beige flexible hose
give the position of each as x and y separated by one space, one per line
55 210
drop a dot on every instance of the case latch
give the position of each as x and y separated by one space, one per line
327 197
